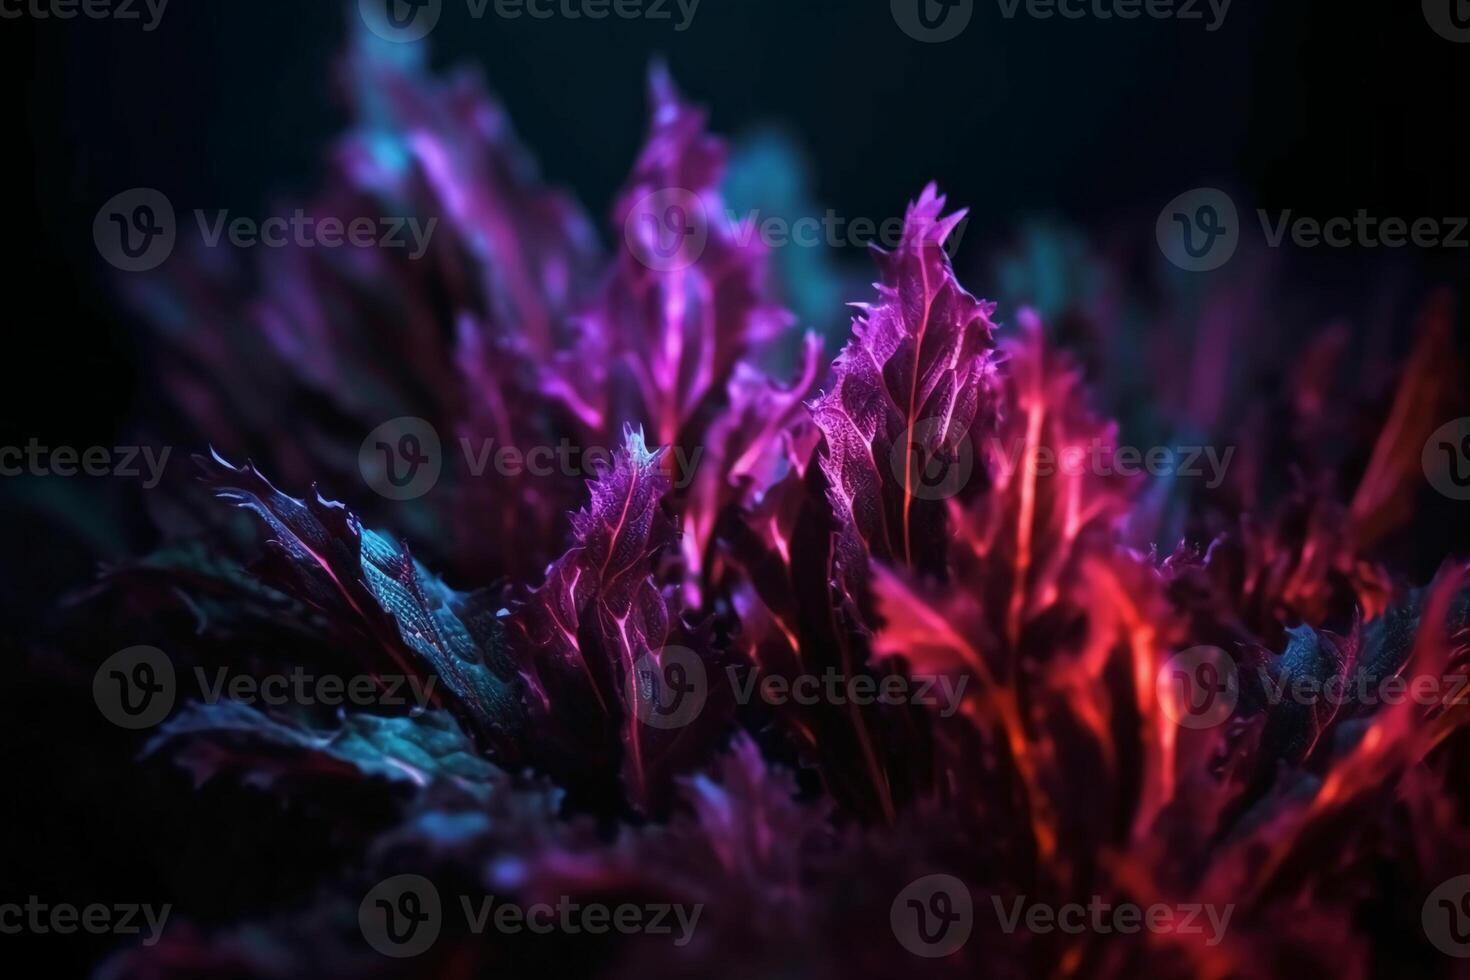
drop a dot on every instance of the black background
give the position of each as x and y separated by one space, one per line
1317 106
1320 107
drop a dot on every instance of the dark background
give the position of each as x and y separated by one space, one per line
1316 106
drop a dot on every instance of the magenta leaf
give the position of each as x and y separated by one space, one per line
686 297
906 390
600 620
